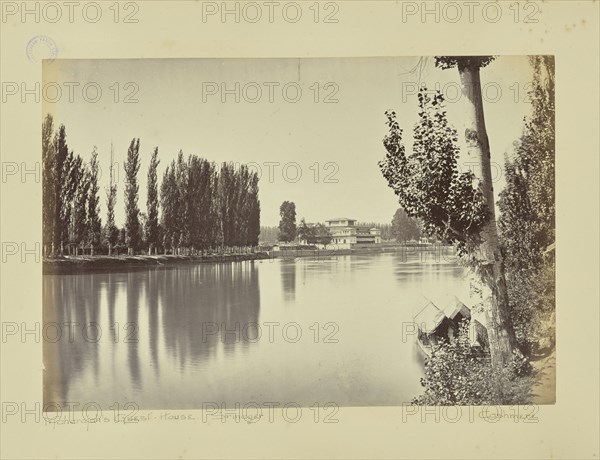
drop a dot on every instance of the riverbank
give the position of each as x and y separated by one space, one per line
86 263
83 264
544 391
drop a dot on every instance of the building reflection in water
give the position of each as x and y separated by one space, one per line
288 279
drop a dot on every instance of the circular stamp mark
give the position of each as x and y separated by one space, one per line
41 47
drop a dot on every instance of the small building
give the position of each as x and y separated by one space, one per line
345 233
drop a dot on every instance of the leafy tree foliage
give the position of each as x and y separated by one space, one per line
70 208
79 220
253 210
527 203
462 62
132 213
404 228
269 234
459 374
49 172
111 232
65 187
226 203
94 221
143 218
456 207
152 237
238 205
527 220
287 224
485 256
314 234
429 183
183 210
169 204
200 197
304 231
73 193
386 231
322 234
70 203
202 207
122 240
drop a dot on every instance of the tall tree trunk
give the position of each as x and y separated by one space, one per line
499 324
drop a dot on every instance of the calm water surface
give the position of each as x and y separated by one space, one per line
330 331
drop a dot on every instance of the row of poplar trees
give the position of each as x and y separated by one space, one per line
201 205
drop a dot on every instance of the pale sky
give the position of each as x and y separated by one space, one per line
175 110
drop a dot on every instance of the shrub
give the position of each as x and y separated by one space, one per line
460 374
532 300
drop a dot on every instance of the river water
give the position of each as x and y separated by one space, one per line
300 331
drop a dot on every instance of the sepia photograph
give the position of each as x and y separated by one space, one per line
320 232
312 229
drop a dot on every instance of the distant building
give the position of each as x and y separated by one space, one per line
345 233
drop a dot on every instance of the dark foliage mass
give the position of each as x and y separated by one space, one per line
428 182
314 234
203 206
405 228
206 207
450 205
287 224
462 62
460 374
527 220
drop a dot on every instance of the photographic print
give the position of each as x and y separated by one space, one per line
315 232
